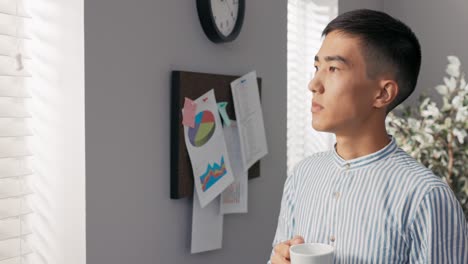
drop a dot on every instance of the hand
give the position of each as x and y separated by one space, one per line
281 250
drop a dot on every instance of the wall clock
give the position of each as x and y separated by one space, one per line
221 20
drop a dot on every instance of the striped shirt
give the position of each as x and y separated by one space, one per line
384 207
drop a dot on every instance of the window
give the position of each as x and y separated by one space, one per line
306 20
15 172
47 78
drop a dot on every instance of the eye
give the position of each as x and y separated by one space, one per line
332 69
316 68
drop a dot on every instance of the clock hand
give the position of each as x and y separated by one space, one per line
225 2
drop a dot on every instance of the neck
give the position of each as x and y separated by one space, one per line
362 142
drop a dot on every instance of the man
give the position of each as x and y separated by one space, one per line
367 197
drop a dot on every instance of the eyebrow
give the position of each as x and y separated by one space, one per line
334 58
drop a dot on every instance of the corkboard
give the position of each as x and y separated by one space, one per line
193 85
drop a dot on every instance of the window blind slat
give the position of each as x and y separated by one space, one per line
13 187
12 6
16 26
10 46
15 195
13 86
8 6
13 108
13 248
13 228
14 127
13 207
23 15
13 147
9 66
16 260
21 235
14 167
13 260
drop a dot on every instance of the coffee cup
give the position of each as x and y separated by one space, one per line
311 253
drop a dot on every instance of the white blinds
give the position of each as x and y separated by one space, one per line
14 131
306 20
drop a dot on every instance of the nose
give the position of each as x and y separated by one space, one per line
316 85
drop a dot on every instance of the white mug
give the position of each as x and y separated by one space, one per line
311 253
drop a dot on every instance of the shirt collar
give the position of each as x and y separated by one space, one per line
367 159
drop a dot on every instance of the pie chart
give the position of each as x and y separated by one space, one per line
204 128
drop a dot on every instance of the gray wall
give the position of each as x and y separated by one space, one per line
348 5
131 47
441 27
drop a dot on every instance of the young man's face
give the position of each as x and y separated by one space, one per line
341 86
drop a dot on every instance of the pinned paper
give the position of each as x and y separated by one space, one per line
249 118
188 113
223 113
234 197
207 226
207 151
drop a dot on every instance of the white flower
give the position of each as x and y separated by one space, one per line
428 130
453 70
463 83
413 123
418 138
432 110
453 60
457 102
442 89
448 122
429 138
460 134
424 103
428 123
462 114
450 83
447 105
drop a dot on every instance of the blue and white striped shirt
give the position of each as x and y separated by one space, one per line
384 207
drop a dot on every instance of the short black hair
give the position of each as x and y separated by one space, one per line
387 44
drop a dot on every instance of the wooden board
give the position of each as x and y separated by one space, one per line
193 85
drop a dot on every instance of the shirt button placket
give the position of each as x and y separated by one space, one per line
336 196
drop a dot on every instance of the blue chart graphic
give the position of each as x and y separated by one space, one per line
213 174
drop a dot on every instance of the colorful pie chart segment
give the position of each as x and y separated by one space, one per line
204 128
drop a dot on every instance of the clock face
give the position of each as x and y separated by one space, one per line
225 13
221 20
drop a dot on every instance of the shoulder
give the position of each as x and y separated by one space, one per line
439 207
312 162
418 185
309 165
413 173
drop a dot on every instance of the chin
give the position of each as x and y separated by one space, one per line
319 127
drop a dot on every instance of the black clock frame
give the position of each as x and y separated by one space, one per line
208 23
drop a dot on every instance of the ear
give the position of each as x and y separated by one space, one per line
387 92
